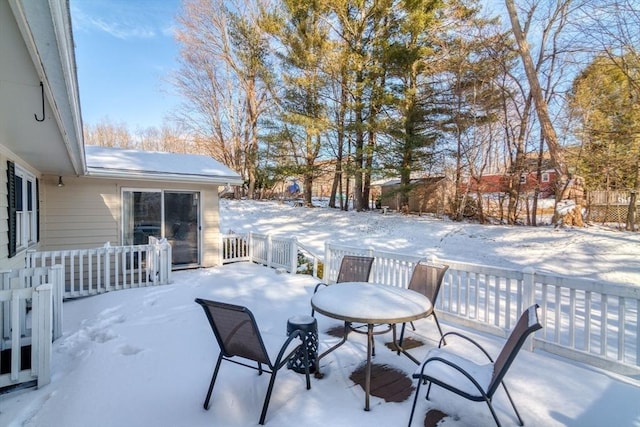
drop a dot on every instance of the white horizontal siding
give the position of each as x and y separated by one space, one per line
86 213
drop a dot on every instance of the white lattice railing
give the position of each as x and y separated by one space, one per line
591 321
93 271
35 335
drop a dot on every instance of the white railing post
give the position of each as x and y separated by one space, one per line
107 269
57 281
250 245
221 248
5 285
528 297
294 255
327 263
269 247
165 264
41 342
15 334
528 288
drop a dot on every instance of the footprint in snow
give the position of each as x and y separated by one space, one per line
129 350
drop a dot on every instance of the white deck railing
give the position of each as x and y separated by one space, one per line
36 334
30 278
275 252
590 321
93 271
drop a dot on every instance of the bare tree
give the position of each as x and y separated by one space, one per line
108 134
537 94
222 49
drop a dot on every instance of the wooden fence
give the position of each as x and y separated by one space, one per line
609 206
93 271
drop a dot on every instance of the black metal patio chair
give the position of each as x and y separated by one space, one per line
426 279
471 380
238 336
353 268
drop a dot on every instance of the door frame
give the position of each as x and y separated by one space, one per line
198 195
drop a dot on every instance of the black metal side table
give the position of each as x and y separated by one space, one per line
309 326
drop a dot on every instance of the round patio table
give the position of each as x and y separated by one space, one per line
370 304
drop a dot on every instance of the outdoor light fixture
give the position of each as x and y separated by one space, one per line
60 183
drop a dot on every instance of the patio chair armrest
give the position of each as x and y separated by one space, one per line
281 360
466 338
422 376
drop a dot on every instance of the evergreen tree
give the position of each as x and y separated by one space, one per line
604 103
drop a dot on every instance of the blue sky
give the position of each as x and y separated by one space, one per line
125 52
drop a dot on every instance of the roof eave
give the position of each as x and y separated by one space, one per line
149 176
69 124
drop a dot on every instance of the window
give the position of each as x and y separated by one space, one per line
545 177
523 178
22 207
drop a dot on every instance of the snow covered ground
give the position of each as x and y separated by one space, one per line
144 357
596 251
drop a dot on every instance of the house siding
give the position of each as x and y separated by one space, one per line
210 235
87 212
82 214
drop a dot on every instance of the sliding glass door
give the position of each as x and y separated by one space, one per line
181 226
173 215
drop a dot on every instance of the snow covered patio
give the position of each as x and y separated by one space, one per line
145 356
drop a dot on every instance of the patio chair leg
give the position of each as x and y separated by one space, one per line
415 401
213 380
493 412
439 328
267 398
520 422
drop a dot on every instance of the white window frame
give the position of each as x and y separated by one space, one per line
523 178
26 220
545 176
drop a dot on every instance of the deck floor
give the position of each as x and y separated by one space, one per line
389 383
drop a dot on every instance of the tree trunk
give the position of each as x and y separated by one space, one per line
632 219
546 126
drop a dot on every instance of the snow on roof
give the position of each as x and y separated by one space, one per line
422 180
137 164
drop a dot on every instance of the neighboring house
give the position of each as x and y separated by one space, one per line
499 183
105 195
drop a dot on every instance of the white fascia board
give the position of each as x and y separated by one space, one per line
146 176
